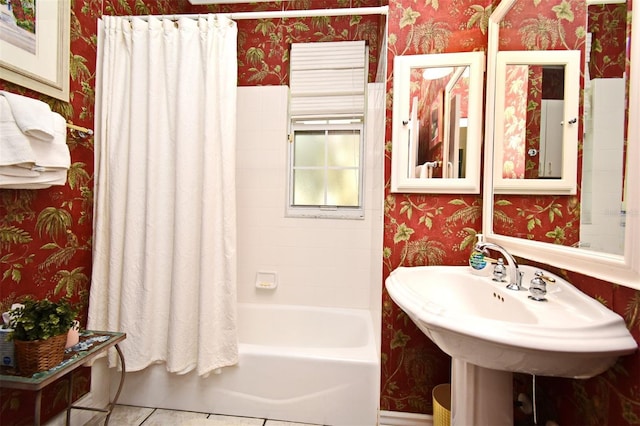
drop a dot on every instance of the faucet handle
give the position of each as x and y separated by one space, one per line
547 278
538 287
499 271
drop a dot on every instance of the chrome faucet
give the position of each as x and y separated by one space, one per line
515 276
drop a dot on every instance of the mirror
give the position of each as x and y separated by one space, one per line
513 221
536 122
437 123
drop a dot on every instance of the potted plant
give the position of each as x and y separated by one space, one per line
40 330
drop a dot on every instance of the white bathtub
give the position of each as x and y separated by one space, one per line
297 363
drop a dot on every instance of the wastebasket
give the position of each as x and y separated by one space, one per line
442 405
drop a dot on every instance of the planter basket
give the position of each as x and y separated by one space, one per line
39 355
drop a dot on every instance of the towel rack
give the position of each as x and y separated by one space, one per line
83 131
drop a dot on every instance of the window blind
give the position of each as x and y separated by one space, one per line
328 79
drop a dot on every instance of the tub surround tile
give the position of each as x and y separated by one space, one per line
269 239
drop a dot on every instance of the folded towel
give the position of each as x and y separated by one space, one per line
30 163
45 180
26 186
15 148
32 116
53 155
18 171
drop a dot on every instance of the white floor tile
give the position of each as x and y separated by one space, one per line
162 417
219 420
123 415
126 415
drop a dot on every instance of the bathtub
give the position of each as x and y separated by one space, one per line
297 363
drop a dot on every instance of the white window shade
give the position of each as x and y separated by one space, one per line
328 79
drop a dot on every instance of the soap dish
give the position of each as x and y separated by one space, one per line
266 280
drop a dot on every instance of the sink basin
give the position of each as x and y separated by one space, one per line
491 332
478 321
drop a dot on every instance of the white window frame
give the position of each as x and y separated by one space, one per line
326 211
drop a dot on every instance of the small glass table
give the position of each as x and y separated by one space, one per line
92 344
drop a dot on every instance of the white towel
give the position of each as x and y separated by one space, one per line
15 148
39 164
45 180
53 155
18 171
32 116
426 171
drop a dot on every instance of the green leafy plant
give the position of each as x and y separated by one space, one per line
42 319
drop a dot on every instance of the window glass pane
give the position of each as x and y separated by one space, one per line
325 169
309 148
343 188
308 187
344 148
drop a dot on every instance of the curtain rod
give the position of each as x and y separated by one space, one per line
348 11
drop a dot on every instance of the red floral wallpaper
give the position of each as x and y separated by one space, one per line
45 235
607 25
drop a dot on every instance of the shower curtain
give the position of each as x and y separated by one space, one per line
164 259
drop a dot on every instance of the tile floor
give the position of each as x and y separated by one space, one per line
126 415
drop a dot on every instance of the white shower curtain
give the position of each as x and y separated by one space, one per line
164 260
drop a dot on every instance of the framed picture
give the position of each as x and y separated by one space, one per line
34 45
436 118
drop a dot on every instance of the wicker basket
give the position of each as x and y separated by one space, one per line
39 355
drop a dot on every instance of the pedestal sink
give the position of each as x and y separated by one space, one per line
491 332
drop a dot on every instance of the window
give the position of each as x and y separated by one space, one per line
326 159
326 110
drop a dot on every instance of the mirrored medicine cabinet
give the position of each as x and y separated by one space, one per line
536 122
437 123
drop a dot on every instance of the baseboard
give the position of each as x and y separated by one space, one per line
400 418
